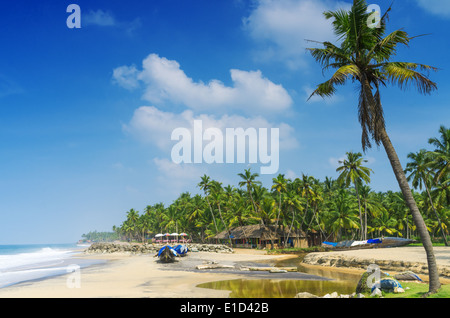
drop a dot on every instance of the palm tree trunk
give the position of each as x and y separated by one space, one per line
360 215
226 227
417 217
365 220
214 219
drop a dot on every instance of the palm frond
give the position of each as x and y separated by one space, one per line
328 88
403 74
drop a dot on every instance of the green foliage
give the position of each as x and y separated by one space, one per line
100 236
328 207
417 290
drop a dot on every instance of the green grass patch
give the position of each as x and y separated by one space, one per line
417 290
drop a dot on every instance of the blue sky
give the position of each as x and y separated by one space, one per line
86 114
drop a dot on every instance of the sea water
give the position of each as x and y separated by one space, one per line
22 263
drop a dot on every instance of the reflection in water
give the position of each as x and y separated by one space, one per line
342 283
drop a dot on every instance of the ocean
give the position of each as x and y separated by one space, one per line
27 262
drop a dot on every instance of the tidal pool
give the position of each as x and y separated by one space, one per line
341 283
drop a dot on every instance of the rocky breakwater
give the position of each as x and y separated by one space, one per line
146 248
340 260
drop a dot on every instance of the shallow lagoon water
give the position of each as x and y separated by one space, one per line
342 283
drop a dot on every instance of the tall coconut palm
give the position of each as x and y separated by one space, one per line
280 185
249 180
205 185
370 204
364 55
217 195
441 155
421 175
352 171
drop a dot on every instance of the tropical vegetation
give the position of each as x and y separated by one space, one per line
343 207
365 55
339 208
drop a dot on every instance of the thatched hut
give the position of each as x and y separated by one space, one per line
260 236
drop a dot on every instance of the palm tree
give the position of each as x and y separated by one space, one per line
342 214
421 174
370 204
364 56
352 171
249 180
280 185
441 156
205 185
217 195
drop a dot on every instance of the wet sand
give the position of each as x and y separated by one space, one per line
137 276
142 275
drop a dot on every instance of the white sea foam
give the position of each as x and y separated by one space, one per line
31 265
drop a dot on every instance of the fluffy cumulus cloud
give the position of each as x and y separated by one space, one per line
165 81
151 125
437 7
282 27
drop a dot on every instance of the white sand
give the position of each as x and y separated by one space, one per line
136 276
132 276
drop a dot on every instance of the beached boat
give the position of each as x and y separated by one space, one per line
181 250
384 242
167 254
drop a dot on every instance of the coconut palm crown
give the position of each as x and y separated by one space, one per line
364 55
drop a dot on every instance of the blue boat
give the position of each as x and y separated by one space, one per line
181 250
167 254
383 242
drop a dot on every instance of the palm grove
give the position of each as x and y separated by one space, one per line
341 208
344 207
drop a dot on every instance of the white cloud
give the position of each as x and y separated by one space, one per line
334 162
283 26
126 76
99 17
437 7
107 19
154 126
166 81
176 178
291 175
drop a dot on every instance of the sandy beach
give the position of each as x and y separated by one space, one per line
142 276
137 276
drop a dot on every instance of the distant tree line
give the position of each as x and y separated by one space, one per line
100 236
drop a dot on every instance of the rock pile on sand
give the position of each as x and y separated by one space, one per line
139 248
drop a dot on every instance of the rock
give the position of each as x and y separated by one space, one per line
376 293
138 248
332 295
362 286
305 295
359 295
398 290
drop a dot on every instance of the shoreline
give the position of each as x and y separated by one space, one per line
392 260
125 275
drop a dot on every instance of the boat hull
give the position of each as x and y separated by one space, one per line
386 242
167 255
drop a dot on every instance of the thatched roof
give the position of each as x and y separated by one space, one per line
262 232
